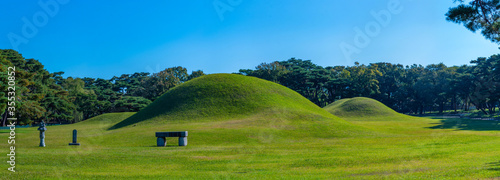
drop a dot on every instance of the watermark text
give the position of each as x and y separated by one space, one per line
11 112
223 6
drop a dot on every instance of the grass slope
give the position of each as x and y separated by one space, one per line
360 107
228 96
225 150
373 115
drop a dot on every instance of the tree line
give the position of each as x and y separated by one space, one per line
413 89
41 95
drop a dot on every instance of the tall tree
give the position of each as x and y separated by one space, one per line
390 82
195 74
478 15
363 80
337 84
268 71
486 94
162 81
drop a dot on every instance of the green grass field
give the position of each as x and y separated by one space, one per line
246 128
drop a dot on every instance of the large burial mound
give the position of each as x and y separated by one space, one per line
222 97
360 107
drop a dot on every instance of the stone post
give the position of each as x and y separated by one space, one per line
74 138
42 130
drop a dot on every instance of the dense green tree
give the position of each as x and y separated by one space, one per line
39 94
4 64
80 97
129 83
195 74
162 81
463 86
56 100
131 103
390 83
337 84
485 94
268 71
478 15
414 101
29 111
363 80
305 77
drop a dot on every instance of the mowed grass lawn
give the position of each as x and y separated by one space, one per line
399 147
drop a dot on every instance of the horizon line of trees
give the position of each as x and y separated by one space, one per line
411 89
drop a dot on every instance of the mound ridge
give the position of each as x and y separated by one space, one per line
227 96
360 107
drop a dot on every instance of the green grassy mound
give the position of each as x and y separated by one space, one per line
219 97
360 107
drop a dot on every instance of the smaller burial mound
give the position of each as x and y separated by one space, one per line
360 107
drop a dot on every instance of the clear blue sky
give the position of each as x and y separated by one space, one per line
107 38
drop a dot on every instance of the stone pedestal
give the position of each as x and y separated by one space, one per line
161 141
183 141
42 138
42 130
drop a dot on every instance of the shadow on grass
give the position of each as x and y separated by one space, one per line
493 166
467 124
168 146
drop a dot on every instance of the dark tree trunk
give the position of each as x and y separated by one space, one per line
454 104
483 110
4 118
467 103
